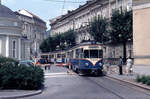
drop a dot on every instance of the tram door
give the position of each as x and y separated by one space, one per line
79 55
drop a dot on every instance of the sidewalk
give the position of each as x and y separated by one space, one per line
130 79
13 94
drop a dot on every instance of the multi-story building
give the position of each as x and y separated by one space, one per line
10 33
79 19
34 32
141 33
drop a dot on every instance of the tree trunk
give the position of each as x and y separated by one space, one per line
124 51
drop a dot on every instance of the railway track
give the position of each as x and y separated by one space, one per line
102 86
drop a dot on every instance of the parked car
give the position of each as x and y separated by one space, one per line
27 63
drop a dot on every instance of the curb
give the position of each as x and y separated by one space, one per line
132 83
21 96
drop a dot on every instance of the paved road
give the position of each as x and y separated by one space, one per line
60 85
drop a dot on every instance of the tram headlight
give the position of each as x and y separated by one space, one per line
86 64
100 64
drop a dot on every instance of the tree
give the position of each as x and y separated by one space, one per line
70 38
58 42
98 29
48 45
121 28
44 47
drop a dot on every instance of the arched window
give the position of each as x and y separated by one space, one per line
14 49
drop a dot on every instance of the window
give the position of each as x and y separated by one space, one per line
93 54
100 53
14 49
86 53
15 24
0 46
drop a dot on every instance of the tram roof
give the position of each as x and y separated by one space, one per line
78 45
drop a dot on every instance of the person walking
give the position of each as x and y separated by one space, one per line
129 66
120 64
108 66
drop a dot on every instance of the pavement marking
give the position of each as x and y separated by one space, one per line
52 74
55 76
60 74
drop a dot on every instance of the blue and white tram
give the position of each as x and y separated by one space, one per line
60 58
87 59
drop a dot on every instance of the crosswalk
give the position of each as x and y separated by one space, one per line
56 71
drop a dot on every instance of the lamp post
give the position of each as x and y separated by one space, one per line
124 47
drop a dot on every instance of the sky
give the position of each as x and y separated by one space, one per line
45 9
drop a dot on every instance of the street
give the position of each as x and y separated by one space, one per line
60 85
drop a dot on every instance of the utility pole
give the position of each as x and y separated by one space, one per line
117 4
109 9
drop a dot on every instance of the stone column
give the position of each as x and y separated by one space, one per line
19 45
117 4
109 7
7 46
124 4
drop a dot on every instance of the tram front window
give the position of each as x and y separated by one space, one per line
93 53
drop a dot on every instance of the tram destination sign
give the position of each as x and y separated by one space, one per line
94 46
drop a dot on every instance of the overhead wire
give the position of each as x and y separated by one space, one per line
61 1
63 7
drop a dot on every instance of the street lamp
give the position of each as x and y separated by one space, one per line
124 47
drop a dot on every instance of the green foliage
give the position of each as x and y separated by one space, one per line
59 41
4 60
45 46
121 26
138 78
144 79
99 29
14 76
70 38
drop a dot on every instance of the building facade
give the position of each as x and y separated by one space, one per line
33 33
10 33
21 34
79 20
141 34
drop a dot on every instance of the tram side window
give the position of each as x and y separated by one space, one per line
63 55
77 53
71 54
100 54
86 53
58 55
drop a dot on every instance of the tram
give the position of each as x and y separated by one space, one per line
83 58
87 59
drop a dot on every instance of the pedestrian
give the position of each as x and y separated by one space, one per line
129 66
45 67
108 66
120 64
49 67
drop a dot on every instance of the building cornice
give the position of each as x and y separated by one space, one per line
141 6
10 34
11 19
10 27
81 8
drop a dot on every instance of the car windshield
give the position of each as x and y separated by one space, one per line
93 54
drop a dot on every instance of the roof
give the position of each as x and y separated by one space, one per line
6 12
29 14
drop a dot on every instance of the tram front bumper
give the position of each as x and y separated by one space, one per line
91 71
